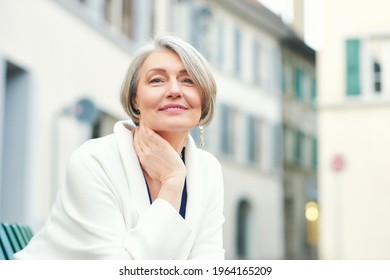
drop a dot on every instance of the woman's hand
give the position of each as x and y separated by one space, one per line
161 163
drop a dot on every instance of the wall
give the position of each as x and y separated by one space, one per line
354 201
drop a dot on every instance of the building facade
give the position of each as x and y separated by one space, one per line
300 149
354 115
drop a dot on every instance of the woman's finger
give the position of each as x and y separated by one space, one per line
157 157
143 139
144 134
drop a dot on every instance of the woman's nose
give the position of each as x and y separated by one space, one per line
174 89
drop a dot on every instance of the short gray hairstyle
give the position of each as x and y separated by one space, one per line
196 65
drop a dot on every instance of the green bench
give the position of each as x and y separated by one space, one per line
13 238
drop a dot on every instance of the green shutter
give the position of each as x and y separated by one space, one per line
353 67
313 90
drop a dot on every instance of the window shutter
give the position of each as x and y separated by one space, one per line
353 67
313 90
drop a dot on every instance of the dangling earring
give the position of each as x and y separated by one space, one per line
201 129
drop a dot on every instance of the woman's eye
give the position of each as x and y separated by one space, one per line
188 81
156 81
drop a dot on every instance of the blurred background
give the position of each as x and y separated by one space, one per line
303 111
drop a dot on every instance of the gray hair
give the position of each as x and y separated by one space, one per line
196 65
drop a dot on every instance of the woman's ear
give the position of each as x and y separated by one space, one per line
135 101
134 104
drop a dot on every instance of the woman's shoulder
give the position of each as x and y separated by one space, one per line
208 158
211 174
96 148
106 145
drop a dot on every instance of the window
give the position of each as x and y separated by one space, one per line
220 44
314 153
298 84
290 224
274 70
287 77
200 28
288 144
299 147
256 63
128 18
120 14
377 77
278 145
313 90
242 229
237 52
353 65
108 14
253 138
227 130
283 79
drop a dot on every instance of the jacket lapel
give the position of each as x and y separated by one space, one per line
135 178
195 187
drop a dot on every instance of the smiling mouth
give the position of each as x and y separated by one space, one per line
173 108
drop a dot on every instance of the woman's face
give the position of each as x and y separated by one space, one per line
167 98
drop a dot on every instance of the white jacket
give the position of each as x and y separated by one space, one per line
103 211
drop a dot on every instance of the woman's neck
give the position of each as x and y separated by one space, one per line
176 139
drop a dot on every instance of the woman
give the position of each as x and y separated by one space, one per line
146 191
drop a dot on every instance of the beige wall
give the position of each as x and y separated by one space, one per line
354 203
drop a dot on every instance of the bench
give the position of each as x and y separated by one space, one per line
13 238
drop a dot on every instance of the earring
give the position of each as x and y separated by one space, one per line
137 112
201 129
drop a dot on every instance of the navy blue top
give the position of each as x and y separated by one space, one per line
183 203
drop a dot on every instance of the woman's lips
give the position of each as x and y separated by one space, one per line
173 108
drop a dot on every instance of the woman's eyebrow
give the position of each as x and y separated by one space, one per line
156 70
163 70
183 71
